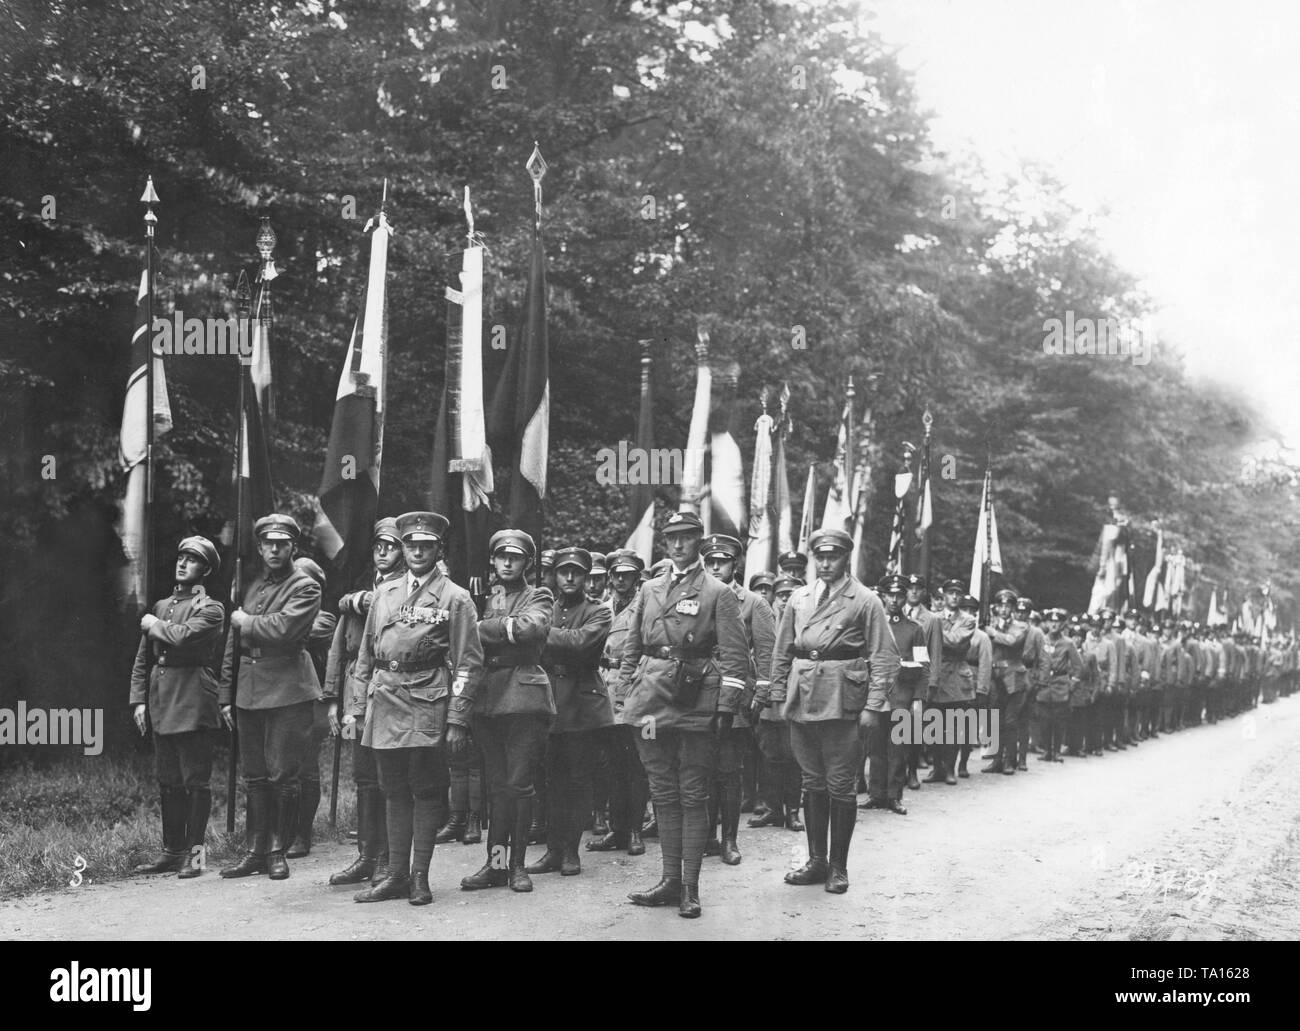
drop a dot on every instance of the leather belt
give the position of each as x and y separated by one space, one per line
414 666
827 654
663 651
566 671
162 661
270 653
505 662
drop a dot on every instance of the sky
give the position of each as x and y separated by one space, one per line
1181 117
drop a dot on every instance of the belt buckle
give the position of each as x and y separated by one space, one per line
392 665
815 655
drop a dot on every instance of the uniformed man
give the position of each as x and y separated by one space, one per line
420 655
1117 669
318 645
1008 634
833 666
512 707
628 788
721 554
980 660
278 690
918 612
781 779
905 698
1033 655
764 585
1081 693
547 566
1062 669
955 689
174 689
683 672
347 695
597 579
1103 653
1170 646
793 564
781 591
579 625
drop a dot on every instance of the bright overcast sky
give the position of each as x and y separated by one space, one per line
1180 116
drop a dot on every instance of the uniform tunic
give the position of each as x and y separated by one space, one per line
417 649
572 659
611 658
513 631
181 689
760 636
956 681
274 667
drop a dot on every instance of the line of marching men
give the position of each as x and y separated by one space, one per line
603 683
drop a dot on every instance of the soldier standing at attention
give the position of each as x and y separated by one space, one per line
574 643
419 656
764 585
682 697
323 717
833 666
918 613
177 694
512 708
1062 669
956 687
1033 655
340 685
980 660
1008 634
278 690
628 789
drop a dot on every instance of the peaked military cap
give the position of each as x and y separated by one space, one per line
762 578
828 538
386 530
1006 595
579 557
311 568
720 544
1056 614
787 583
915 580
891 583
423 526
597 563
512 540
624 558
276 528
796 560
968 601
548 558
683 522
954 585
203 548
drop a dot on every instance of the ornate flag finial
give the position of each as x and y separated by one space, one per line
536 165
266 240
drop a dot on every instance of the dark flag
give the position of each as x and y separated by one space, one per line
253 468
349 489
924 510
642 538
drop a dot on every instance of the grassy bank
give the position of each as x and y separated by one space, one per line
105 811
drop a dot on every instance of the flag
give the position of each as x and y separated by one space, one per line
1153 590
349 488
838 512
519 422
462 460
924 507
726 494
253 462
806 519
1215 616
758 555
987 550
642 538
781 483
693 489
896 561
861 498
133 446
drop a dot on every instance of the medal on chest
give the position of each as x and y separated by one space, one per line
416 614
689 607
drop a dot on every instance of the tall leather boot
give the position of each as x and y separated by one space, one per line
172 802
730 806
493 873
793 781
843 816
455 827
713 844
198 809
537 829
570 861
555 837
379 832
284 823
519 834
308 803
257 833
816 814
363 866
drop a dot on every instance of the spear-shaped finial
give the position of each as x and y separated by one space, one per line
149 198
701 344
536 165
266 240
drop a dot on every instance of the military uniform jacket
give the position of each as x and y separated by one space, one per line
419 651
1061 669
1186 666
956 680
933 631
1121 667
611 657
513 631
1167 671
980 659
808 680
1008 638
912 682
572 660
1085 689
760 636
684 656
340 665
274 667
181 688
1034 656
1146 661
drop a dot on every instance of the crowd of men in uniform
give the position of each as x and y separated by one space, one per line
589 687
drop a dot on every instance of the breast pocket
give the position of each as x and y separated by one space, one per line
854 689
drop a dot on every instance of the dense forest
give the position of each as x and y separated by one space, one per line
747 166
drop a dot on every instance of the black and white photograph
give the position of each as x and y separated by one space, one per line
651 470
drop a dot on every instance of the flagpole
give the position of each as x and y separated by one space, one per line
986 573
924 494
149 198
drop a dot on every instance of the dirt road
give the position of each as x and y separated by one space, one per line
1195 836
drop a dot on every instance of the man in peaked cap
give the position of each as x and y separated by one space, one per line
512 708
318 646
1007 634
1034 656
832 668
628 788
721 555
278 689
419 657
980 660
342 691
917 610
571 659
683 671
956 687
781 590
597 578
176 693
764 585
1062 671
